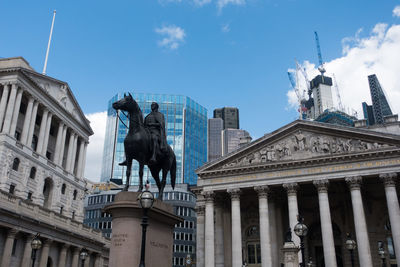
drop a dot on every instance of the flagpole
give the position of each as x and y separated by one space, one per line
48 44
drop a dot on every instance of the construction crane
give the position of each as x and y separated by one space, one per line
300 97
341 108
321 63
303 71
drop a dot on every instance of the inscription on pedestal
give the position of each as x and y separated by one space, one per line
118 240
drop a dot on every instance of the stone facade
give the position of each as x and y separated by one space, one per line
340 179
43 141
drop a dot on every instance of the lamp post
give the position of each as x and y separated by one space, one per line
301 230
146 200
351 246
382 253
83 255
310 263
35 245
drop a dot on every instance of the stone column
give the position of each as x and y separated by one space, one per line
45 253
73 160
3 102
392 201
200 234
10 109
27 120
5 261
69 153
47 134
14 119
58 142
219 235
87 260
43 125
62 146
32 124
363 247
75 257
80 159
291 189
209 257
26 259
97 261
237 259
84 160
326 223
62 260
265 238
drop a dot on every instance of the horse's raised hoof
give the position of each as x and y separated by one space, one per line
124 163
126 187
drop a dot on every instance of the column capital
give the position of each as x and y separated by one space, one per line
291 188
235 193
262 191
47 242
12 233
200 210
354 182
209 196
321 185
388 179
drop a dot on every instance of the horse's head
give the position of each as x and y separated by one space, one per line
126 104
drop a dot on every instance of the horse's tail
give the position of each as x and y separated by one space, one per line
173 172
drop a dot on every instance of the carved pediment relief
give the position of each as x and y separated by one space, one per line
303 145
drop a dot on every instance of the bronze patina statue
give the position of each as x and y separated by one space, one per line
146 142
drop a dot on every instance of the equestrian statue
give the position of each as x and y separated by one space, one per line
146 142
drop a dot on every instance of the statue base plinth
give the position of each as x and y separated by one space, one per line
127 232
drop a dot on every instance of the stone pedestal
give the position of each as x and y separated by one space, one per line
290 255
127 232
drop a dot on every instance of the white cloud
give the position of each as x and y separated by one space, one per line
174 36
222 3
396 11
95 148
226 28
377 54
201 2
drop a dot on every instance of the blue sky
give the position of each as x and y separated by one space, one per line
218 52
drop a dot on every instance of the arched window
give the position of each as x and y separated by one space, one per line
32 174
15 164
75 194
63 187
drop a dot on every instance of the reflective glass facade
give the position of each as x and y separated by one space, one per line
186 129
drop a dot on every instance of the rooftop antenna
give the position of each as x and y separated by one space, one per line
48 44
321 63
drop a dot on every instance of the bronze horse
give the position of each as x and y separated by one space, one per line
138 145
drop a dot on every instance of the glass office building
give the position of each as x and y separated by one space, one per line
186 129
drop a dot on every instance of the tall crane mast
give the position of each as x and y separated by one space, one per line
321 63
341 108
296 90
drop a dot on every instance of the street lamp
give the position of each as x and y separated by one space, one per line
301 230
382 253
82 255
35 244
351 246
310 263
146 200
188 261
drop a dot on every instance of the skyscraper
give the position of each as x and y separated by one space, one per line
186 129
380 105
215 127
229 115
232 139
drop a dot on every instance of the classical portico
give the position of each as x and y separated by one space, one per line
340 179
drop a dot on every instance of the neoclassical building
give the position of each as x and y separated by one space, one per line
340 179
43 140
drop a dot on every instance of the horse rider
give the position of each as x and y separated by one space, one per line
155 122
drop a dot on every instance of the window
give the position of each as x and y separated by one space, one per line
17 135
75 194
73 215
61 209
14 247
63 187
15 165
34 142
29 197
32 174
12 189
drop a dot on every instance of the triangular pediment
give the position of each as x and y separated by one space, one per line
62 94
304 140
